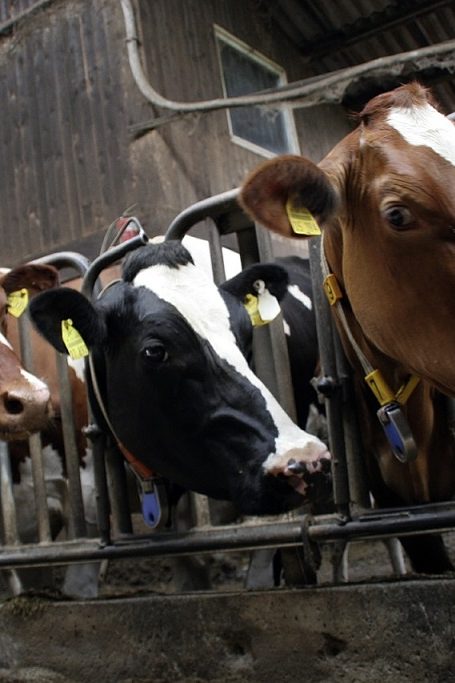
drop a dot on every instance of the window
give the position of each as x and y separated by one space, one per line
266 131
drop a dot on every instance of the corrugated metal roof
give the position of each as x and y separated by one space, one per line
333 34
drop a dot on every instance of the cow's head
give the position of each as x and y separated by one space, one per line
385 200
24 399
169 348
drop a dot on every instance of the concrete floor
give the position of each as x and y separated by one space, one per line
387 632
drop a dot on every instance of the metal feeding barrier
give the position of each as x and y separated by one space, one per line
352 519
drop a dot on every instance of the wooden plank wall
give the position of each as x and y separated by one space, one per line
68 164
63 140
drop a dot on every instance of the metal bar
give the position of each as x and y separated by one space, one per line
107 259
117 486
80 264
278 344
8 506
76 503
332 392
356 468
98 440
248 246
39 488
212 207
235 538
216 255
34 441
65 259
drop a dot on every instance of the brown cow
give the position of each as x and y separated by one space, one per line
37 278
24 399
384 199
80 580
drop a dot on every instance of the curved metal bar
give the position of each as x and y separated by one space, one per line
107 259
212 207
328 88
66 259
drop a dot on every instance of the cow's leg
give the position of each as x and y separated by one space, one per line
261 569
81 580
427 553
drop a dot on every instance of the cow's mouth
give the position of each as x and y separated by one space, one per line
15 434
312 480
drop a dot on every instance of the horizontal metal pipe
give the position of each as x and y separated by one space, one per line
233 538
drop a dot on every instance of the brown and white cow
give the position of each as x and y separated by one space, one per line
29 405
384 198
25 406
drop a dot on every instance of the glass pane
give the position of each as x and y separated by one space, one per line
242 75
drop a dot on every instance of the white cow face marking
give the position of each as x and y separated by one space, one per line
424 125
201 304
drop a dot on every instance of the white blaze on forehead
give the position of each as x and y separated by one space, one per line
297 293
424 125
35 383
198 300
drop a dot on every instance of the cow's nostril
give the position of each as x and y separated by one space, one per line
297 467
13 406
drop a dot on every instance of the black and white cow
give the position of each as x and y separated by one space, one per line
170 351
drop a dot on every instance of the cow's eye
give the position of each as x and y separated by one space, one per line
155 353
398 216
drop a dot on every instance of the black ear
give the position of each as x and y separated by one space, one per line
49 309
275 278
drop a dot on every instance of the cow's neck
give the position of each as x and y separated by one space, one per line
421 480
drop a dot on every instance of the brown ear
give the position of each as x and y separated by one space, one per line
34 277
268 188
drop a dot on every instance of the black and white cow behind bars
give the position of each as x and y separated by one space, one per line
170 351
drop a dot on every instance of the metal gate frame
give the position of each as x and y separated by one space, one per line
352 520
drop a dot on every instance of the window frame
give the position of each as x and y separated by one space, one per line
221 35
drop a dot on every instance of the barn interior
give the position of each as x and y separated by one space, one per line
85 145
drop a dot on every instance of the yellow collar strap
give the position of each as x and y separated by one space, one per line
384 393
373 378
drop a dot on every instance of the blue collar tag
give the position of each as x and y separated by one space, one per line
397 431
151 507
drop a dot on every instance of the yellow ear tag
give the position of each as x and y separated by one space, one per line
73 341
251 304
301 220
17 302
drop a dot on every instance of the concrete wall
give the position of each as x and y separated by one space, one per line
385 632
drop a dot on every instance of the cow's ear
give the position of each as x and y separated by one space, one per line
289 195
259 287
253 279
35 277
50 309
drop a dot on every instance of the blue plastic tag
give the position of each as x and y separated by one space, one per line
151 508
398 432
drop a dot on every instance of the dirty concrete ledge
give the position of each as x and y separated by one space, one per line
397 632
